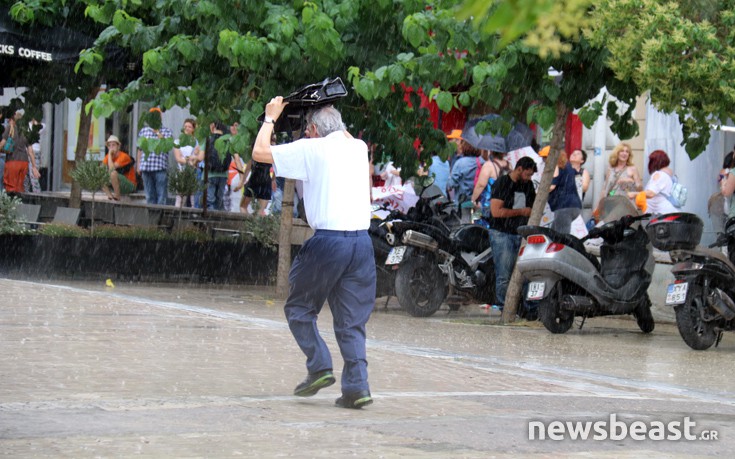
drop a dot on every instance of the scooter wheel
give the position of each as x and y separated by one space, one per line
420 286
644 317
698 334
554 319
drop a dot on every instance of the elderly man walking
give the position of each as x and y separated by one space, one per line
337 263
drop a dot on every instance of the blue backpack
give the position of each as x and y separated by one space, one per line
678 196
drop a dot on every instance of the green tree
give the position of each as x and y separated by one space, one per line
184 183
91 176
512 80
683 53
224 59
542 24
55 82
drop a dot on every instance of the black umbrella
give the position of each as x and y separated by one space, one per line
486 141
520 136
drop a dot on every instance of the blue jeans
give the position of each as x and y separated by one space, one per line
2 170
216 193
156 186
276 201
505 251
339 267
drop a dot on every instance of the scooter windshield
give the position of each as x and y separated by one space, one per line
615 207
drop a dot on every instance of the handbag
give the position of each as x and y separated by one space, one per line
9 146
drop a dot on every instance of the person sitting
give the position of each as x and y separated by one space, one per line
122 172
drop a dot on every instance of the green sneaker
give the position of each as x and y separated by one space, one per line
355 400
314 382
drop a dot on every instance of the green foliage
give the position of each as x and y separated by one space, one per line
183 182
9 215
130 232
683 55
545 25
186 140
156 146
262 230
63 230
151 118
191 234
91 175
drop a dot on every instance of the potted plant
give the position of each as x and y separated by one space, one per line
91 176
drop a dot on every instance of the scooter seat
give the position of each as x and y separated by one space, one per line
566 239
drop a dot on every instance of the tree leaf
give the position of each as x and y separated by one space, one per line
445 101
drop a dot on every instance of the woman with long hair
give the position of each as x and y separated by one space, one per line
621 177
495 167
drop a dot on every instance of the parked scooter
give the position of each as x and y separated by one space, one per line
703 291
568 281
432 208
436 264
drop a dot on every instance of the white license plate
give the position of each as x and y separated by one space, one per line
535 290
396 255
677 293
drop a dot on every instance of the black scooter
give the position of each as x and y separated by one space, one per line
568 281
432 208
703 292
436 265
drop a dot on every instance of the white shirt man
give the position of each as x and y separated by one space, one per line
337 264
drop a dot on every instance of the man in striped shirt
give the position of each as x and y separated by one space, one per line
153 167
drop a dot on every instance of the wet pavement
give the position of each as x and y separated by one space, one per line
183 371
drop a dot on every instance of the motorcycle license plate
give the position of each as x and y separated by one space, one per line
535 290
396 255
677 293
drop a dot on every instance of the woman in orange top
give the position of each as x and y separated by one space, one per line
122 172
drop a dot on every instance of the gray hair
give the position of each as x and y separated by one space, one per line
327 120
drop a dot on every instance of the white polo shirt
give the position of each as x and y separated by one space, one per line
334 171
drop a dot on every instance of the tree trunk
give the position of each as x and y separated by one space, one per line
515 286
284 240
205 191
80 153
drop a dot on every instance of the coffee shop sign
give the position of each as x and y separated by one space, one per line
10 50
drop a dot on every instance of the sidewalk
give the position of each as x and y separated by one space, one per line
171 371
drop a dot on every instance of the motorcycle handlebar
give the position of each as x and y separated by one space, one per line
721 241
620 224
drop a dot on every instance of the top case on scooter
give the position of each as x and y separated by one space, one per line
625 259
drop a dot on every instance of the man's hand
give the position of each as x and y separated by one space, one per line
275 107
526 212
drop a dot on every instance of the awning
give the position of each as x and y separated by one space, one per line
27 52
40 44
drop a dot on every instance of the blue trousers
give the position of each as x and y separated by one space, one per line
505 251
216 192
156 186
338 267
2 170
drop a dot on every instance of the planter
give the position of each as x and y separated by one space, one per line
91 258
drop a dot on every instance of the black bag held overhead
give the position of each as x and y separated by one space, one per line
306 98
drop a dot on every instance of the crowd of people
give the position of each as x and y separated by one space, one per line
502 194
232 185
